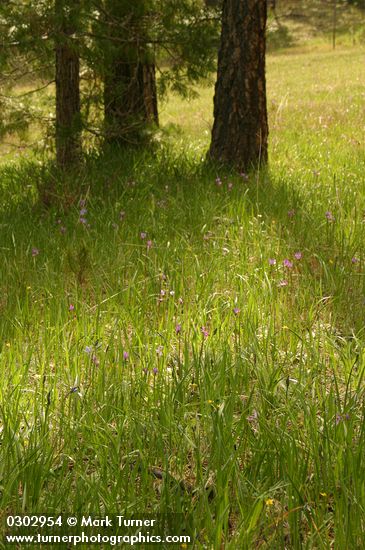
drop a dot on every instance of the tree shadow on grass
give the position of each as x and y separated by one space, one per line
305 227
182 196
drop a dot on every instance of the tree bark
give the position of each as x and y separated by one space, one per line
130 97
68 134
130 100
240 129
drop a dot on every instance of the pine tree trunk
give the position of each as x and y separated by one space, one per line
130 97
130 101
68 137
150 93
240 129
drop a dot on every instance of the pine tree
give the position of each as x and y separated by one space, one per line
67 69
117 47
130 95
175 38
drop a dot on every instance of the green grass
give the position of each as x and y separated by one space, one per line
315 24
263 419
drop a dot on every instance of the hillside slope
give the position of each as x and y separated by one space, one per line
298 22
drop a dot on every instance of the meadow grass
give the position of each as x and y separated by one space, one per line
168 316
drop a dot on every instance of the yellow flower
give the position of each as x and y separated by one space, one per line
7 344
210 401
269 502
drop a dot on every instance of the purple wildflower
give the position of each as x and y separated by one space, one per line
272 261
125 355
252 417
178 328
82 202
298 255
83 211
354 260
149 244
236 310
218 181
283 283
155 370
205 332
143 235
88 349
159 350
71 308
83 220
287 263
329 216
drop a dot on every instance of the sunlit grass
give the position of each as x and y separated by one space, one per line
162 327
